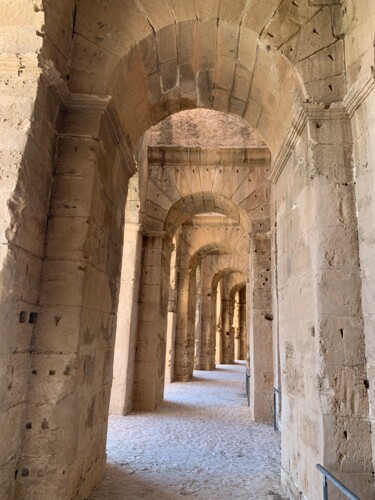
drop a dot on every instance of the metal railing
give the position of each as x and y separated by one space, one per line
276 409
247 381
327 475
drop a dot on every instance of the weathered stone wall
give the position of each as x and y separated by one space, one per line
360 28
260 328
127 320
28 110
319 311
71 366
363 126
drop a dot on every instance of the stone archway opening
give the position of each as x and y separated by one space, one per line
91 86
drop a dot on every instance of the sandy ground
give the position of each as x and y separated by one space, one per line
200 444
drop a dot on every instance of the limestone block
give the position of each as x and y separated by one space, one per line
258 14
86 58
207 8
227 40
159 15
14 376
187 43
241 83
207 41
331 89
253 111
169 74
57 279
315 35
57 329
187 79
232 13
280 28
326 63
182 11
221 100
167 44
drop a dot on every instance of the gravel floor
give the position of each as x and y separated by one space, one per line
199 444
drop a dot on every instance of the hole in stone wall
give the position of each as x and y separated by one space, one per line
330 87
345 435
342 333
25 472
33 317
15 474
29 425
331 57
366 383
313 331
23 316
34 372
52 372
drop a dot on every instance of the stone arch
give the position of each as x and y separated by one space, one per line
199 237
198 203
312 43
168 64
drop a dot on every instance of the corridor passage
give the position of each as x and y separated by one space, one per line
199 444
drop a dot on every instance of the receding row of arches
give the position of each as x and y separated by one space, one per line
139 205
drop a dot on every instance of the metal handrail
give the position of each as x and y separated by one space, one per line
276 409
247 380
327 475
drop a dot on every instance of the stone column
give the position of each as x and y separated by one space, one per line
260 339
339 336
244 344
236 327
208 320
322 345
186 299
28 111
127 321
64 446
149 370
171 321
228 332
198 321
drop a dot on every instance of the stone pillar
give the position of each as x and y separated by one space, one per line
341 361
171 320
322 347
28 111
127 321
198 321
149 370
261 355
236 327
216 322
64 448
185 329
244 344
208 320
228 332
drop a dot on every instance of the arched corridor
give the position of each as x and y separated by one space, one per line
157 157
198 444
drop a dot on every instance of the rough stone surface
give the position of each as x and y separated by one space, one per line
199 444
81 84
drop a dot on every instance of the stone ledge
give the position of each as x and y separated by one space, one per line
166 156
